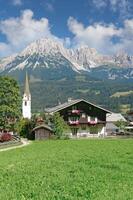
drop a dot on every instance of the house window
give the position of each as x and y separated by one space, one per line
74 107
25 103
74 131
92 118
74 119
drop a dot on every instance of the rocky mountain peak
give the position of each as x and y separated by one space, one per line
43 46
49 53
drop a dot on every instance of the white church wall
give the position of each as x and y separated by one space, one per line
26 104
26 107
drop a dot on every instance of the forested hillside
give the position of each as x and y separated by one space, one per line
116 95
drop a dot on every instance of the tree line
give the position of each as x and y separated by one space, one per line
11 119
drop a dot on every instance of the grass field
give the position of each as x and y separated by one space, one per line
68 170
119 94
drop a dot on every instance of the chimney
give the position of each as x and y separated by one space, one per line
69 99
59 103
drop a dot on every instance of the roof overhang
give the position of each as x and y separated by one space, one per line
57 109
42 126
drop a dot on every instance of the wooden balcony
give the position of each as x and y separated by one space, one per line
85 120
88 120
75 111
92 122
73 122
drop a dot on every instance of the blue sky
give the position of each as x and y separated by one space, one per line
106 25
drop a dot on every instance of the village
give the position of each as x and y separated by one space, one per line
77 118
66 100
74 140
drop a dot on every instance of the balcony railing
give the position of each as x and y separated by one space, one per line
92 122
73 122
75 111
83 121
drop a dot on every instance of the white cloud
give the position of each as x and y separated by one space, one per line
124 8
126 37
5 49
49 7
17 2
22 30
101 36
100 3
96 36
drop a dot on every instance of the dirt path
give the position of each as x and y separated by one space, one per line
24 143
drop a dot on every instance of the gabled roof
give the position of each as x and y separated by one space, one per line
42 126
70 103
114 117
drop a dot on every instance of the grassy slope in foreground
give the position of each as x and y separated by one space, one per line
68 170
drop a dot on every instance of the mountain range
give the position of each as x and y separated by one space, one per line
57 73
46 57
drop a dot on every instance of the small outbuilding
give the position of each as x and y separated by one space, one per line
42 132
114 117
111 119
111 128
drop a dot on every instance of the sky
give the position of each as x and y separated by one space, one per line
106 25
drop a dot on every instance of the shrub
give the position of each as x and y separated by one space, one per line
24 127
60 127
5 137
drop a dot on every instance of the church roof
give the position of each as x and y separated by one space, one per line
27 88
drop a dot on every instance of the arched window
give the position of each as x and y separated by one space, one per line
25 103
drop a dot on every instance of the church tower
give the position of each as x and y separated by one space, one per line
26 105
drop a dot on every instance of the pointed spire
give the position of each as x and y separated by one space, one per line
27 89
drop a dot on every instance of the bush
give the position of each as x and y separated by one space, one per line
60 127
5 137
24 127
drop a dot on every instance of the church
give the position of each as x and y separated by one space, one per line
41 131
26 103
84 118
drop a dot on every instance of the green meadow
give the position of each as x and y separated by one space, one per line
68 170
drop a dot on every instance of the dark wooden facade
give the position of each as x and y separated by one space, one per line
82 107
82 116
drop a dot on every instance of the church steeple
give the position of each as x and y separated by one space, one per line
26 106
27 88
